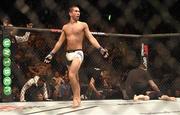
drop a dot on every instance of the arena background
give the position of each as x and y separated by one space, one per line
109 16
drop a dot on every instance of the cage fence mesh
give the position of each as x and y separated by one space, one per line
115 16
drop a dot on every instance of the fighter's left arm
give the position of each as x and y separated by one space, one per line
90 37
94 42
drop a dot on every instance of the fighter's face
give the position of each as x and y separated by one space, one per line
75 13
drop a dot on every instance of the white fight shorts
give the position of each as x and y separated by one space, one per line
70 55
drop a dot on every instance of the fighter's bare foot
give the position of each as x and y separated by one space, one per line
76 103
79 101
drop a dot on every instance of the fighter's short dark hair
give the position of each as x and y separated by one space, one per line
72 6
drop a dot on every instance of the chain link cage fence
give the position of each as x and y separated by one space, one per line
143 25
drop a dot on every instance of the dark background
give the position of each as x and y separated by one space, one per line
127 16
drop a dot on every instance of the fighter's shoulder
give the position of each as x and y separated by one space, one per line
65 26
83 23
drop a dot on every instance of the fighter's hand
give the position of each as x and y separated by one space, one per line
48 58
104 52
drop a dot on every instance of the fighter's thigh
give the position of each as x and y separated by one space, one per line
75 65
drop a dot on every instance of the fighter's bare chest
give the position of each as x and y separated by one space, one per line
77 30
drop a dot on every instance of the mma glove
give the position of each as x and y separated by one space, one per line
104 52
49 57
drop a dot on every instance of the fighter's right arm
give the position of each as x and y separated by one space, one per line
59 42
57 46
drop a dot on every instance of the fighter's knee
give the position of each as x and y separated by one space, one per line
71 74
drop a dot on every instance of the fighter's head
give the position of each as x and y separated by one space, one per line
74 12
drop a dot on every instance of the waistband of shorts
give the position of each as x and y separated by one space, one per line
70 51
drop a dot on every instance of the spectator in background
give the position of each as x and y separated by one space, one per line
140 86
96 82
15 93
36 84
15 39
32 88
39 96
6 21
57 82
65 88
139 81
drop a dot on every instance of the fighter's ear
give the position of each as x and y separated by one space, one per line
70 13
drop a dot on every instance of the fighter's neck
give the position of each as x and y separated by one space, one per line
73 21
